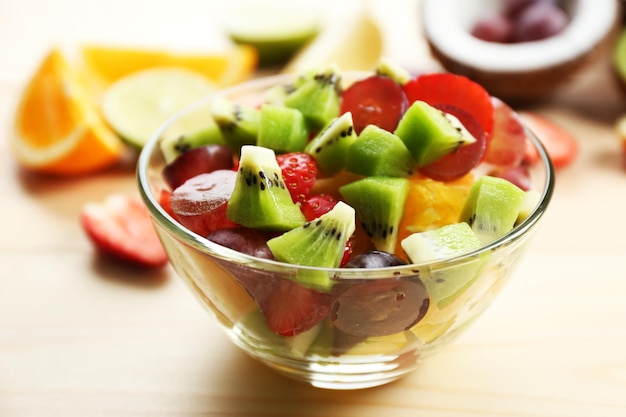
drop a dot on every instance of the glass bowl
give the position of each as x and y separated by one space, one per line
325 356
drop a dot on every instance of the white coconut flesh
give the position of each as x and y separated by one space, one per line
447 25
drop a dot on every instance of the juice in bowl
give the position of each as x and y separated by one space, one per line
343 226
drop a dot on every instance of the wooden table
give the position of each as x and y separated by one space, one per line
83 337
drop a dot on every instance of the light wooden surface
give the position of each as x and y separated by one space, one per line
82 337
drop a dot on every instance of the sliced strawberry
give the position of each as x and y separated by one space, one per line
120 226
292 309
562 146
316 205
453 90
299 171
165 197
288 307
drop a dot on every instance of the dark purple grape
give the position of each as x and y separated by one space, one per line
494 28
242 239
197 161
513 8
374 259
379 307
538 21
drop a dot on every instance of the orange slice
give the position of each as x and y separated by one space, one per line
226 67
431 204
58 128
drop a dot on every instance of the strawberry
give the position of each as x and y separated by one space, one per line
291 309
299 171
120 226
288 307
561 146
316 205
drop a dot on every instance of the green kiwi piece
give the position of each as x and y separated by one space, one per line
319 243
330 146
379 205
377 152
174 146
388 68
317 97
445 285
260 199
238 124
429 133
531 199
282 129
492 207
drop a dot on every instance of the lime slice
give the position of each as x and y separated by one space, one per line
277 29
137 105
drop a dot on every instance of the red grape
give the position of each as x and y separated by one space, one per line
375 100
454 90
518 175
461 161
200 203
197 161
508 141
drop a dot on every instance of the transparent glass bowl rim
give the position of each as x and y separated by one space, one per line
204 245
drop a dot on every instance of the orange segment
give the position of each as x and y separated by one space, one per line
58 128
431 204
223 67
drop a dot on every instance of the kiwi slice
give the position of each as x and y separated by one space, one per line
282 129
378 152
276 29
429 133
379 205
445 285
492 207
330 146
317 97
174 146
260 199
388 68
238 124
320 243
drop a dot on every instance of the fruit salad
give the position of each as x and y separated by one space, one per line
333 173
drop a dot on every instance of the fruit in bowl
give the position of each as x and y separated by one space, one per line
343 225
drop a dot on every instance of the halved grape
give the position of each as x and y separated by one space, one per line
508 141
379 307
197 161
460 162
242 239
456 91
200 203
375 100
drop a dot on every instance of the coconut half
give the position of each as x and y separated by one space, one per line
518 71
